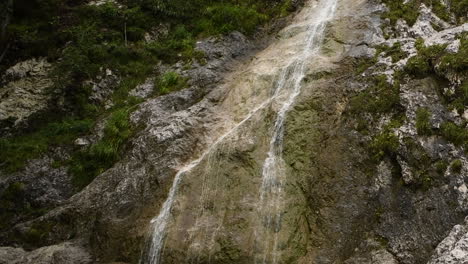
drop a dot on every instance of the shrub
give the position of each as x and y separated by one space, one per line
87 164
380 97
17 150
455 134
385 143
441 166
398 9
423 64
423 124
170 82
456 166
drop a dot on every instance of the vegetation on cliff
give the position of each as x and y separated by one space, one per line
83 38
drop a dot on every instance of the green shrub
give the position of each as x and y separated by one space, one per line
385 143
380 97
17 150
455 134
441 166
170 82
395 52
397 9
423 124
457 62
424 62
87 164
456 166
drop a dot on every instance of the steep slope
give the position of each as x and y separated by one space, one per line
349 148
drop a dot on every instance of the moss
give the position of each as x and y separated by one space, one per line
423 124
456 166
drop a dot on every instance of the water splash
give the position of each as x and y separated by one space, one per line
273 172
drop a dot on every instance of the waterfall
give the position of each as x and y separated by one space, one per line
273 173
286 90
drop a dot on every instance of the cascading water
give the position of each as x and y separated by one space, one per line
273 173
287 89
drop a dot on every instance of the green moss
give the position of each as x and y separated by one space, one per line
423 124
456 166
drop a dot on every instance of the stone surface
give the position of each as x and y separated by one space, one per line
57 254
25 91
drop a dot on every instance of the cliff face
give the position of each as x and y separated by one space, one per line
339 139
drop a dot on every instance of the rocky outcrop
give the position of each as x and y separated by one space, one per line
454 248
58 254
341 206
26 90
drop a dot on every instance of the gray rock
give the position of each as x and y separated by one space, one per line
144 90
26 91
68 253
454 248
103 87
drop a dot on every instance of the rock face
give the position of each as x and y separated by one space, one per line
454 248
25 91
339 204
57 254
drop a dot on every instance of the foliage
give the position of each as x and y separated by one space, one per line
17 150
380 97
15 207
409 11
385 143
423 124
170 82
455 134
456 166
87 164
424 62
395 52
398 9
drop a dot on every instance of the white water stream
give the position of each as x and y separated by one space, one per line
287 89
273 173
